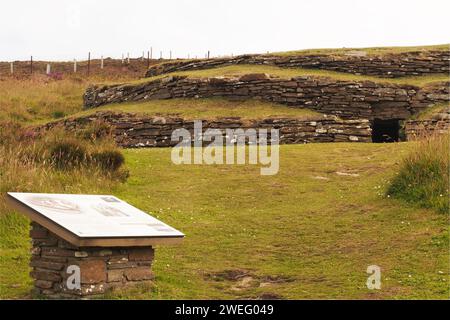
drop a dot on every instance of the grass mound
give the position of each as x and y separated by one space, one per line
287 73
207 109
424 176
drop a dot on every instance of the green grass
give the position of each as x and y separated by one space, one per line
307 225
369 51
29 100
429 112
14 257
40 99
287 73
424 176
207 109
313 228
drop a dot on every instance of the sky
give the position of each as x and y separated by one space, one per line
68 29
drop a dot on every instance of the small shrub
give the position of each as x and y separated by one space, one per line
58 114
109 160
68 154
96 130
424 175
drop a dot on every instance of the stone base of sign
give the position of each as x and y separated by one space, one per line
61 270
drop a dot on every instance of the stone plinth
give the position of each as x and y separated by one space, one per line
55 264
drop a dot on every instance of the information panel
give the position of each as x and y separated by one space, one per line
96 216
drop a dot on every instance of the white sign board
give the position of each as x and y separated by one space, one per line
96 216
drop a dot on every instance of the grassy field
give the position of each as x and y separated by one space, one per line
41 98
369 51
207 109
50 99
288 73
28 176
308 232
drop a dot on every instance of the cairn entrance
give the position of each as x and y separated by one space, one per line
385 130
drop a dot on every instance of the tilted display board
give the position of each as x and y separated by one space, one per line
94 220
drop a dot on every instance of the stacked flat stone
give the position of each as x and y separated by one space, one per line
135 131
389 65
438 123
345 99
101 269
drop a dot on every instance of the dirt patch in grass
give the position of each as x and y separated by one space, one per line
241 280
269 296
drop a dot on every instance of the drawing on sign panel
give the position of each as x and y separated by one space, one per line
109 199
92 216
154 226
108 211
56 205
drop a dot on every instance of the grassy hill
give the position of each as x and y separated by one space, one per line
208 109
308 232
239 70
369 51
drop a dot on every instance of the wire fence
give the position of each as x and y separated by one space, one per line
88 67
84 68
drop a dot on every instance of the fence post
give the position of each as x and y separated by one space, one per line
148 59
89 64
49 69
74 65
128 58
31 65
101 63
208 54
12 67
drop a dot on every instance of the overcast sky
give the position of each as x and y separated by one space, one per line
68 29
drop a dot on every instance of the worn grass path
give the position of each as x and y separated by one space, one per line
307 232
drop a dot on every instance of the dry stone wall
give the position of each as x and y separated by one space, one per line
134 131
416 129
389 66
101 269
437 124
346 99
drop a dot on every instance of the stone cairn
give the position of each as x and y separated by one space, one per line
388 66
345 99
140 131
438 123
101 269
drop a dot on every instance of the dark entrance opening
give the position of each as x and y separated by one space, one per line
385 130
